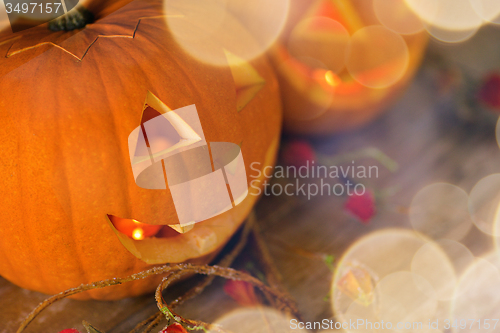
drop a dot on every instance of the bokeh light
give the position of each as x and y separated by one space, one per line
377 255
488 10
245 28
404 297
440 210
358 311
458 254
484 203
315 83
478 297
450 36
255 320
320 38
378 57
450 21
397 16
433 265
395 275
447 14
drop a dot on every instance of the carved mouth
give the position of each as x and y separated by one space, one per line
156 244
139 231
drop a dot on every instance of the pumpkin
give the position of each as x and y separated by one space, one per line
321 97
69 101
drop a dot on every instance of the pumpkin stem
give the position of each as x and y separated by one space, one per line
75 19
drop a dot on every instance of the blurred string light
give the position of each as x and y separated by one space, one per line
357 311
334 33
488 10
320 38
450 36
455 20
377 57
446 14
404 297
403 276
432 264
397 16
245 28
478 297
484 204
440 211
459 255
393 275
397 275
255 320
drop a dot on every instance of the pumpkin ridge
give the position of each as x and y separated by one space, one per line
69 212
6 259
132 36
122 154
30 232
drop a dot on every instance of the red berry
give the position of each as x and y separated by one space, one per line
70 330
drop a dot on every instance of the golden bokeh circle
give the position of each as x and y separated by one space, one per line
377 57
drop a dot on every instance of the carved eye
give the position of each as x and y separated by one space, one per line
247 80
168 150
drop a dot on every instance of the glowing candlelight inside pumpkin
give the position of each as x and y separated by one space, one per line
133 228
138 234
331 78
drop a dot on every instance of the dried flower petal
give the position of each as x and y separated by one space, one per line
174 328
356 283
298 153
361 206
242 292
489 93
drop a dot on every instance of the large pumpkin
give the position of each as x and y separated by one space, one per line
319 95
69 100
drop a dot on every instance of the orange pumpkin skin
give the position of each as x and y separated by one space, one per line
351 104
69 102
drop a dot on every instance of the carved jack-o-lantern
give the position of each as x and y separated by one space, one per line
339 67
70 100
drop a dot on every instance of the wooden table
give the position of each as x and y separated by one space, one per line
431 135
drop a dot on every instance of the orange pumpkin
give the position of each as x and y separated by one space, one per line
321 97
69 101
